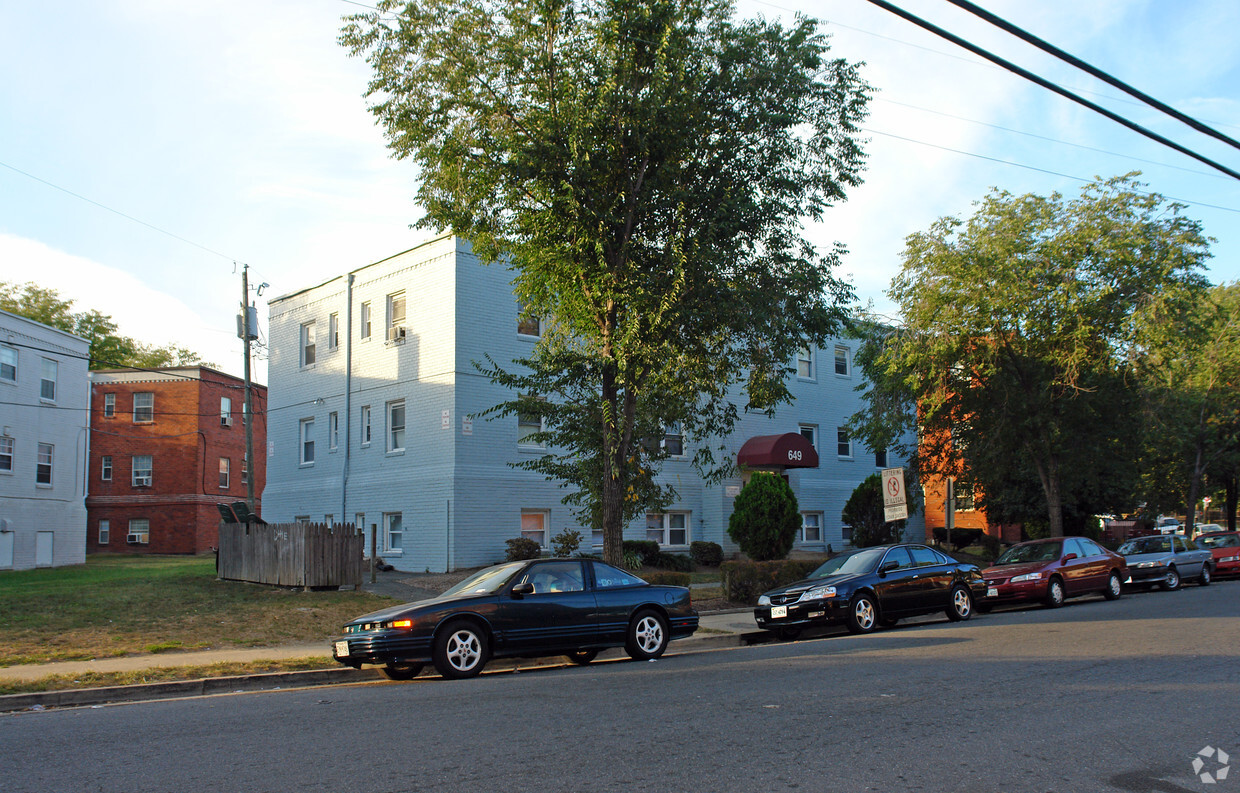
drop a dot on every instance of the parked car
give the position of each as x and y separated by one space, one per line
1167 559
572 607
868 587
1225 547
1052 571
1168 525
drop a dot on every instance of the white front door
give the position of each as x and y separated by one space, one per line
6 550
43 549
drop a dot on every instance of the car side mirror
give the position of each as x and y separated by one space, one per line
1067 557
888 566
521 590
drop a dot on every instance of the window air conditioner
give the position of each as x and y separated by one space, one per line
141 481
396 333
134 539
225 421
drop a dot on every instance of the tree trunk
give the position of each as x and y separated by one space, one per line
1048 472
612 489
1194 490
1231 494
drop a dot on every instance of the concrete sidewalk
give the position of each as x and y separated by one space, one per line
723 628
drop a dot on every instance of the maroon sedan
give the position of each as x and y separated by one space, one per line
1053 570
1225 545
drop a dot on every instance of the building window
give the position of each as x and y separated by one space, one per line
668 528
109 405
333 331
396 426
139 531
245 468
841 360
843 445
47 386
333 429
396 316
528 425
534 526
880 458
965 501
393 531
43 466
306 437
365 425
143 408
6 454
805 363
674 440
329 520
307 344
105 468
143 470
810 433
359 522
529 325
811 527
225 412
225 465
105 532
8 364
364 325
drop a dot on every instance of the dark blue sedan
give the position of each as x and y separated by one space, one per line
572 607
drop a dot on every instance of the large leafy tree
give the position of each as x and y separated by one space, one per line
1019 328
108 349
646 167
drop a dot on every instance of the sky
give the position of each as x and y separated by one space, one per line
151 150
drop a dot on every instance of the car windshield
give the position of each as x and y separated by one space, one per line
1146 545
485 581
1033 552
862 561
1219 541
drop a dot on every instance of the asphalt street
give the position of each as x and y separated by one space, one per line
1095 696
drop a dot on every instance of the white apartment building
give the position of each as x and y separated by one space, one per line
372 393
44 436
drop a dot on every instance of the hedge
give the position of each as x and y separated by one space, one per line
647 549
707 554
667 577
743 582
961 538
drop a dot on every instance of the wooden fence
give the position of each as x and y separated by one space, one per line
291 554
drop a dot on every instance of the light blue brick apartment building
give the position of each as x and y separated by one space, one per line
372 392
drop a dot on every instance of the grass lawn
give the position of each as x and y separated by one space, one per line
124 605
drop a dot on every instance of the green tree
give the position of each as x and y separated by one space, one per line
646 167
765 518
1019 328
108 349
864 513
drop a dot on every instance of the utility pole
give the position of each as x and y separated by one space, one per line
248 333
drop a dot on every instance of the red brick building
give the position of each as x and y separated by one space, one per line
165 448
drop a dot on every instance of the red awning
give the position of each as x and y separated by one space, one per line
790 450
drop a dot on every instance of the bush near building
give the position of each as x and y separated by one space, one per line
765 518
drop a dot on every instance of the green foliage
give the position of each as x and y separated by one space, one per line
674 561
107 349
647 168
520 548
765 518
990 546
566 543
1021 329
648 550
961 538
667 578
632 560
743 582
864 513
706 554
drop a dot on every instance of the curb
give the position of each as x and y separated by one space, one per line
268 681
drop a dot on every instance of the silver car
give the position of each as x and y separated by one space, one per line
1167 560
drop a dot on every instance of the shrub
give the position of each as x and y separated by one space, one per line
674 561
765 518
632 560
743 582
864 513
522 548
647 549
667 577
566 543
707 554
991 546
961 538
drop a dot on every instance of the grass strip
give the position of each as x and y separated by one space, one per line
164 674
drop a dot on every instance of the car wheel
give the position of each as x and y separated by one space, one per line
647 637
1204 579
1054 594
862 614
1172 581
1114 589
788 634
961 606
582 657
401 671
460 650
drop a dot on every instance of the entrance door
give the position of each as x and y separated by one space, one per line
43 549
6 550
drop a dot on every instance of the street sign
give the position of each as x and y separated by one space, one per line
895 505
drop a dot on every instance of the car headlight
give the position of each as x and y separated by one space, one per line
1148 564
1027 577
764 601
819 593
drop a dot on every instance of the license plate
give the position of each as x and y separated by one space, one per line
342 649
779 612
992 592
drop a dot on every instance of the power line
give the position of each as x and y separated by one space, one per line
1003 24
1047 84
167 371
